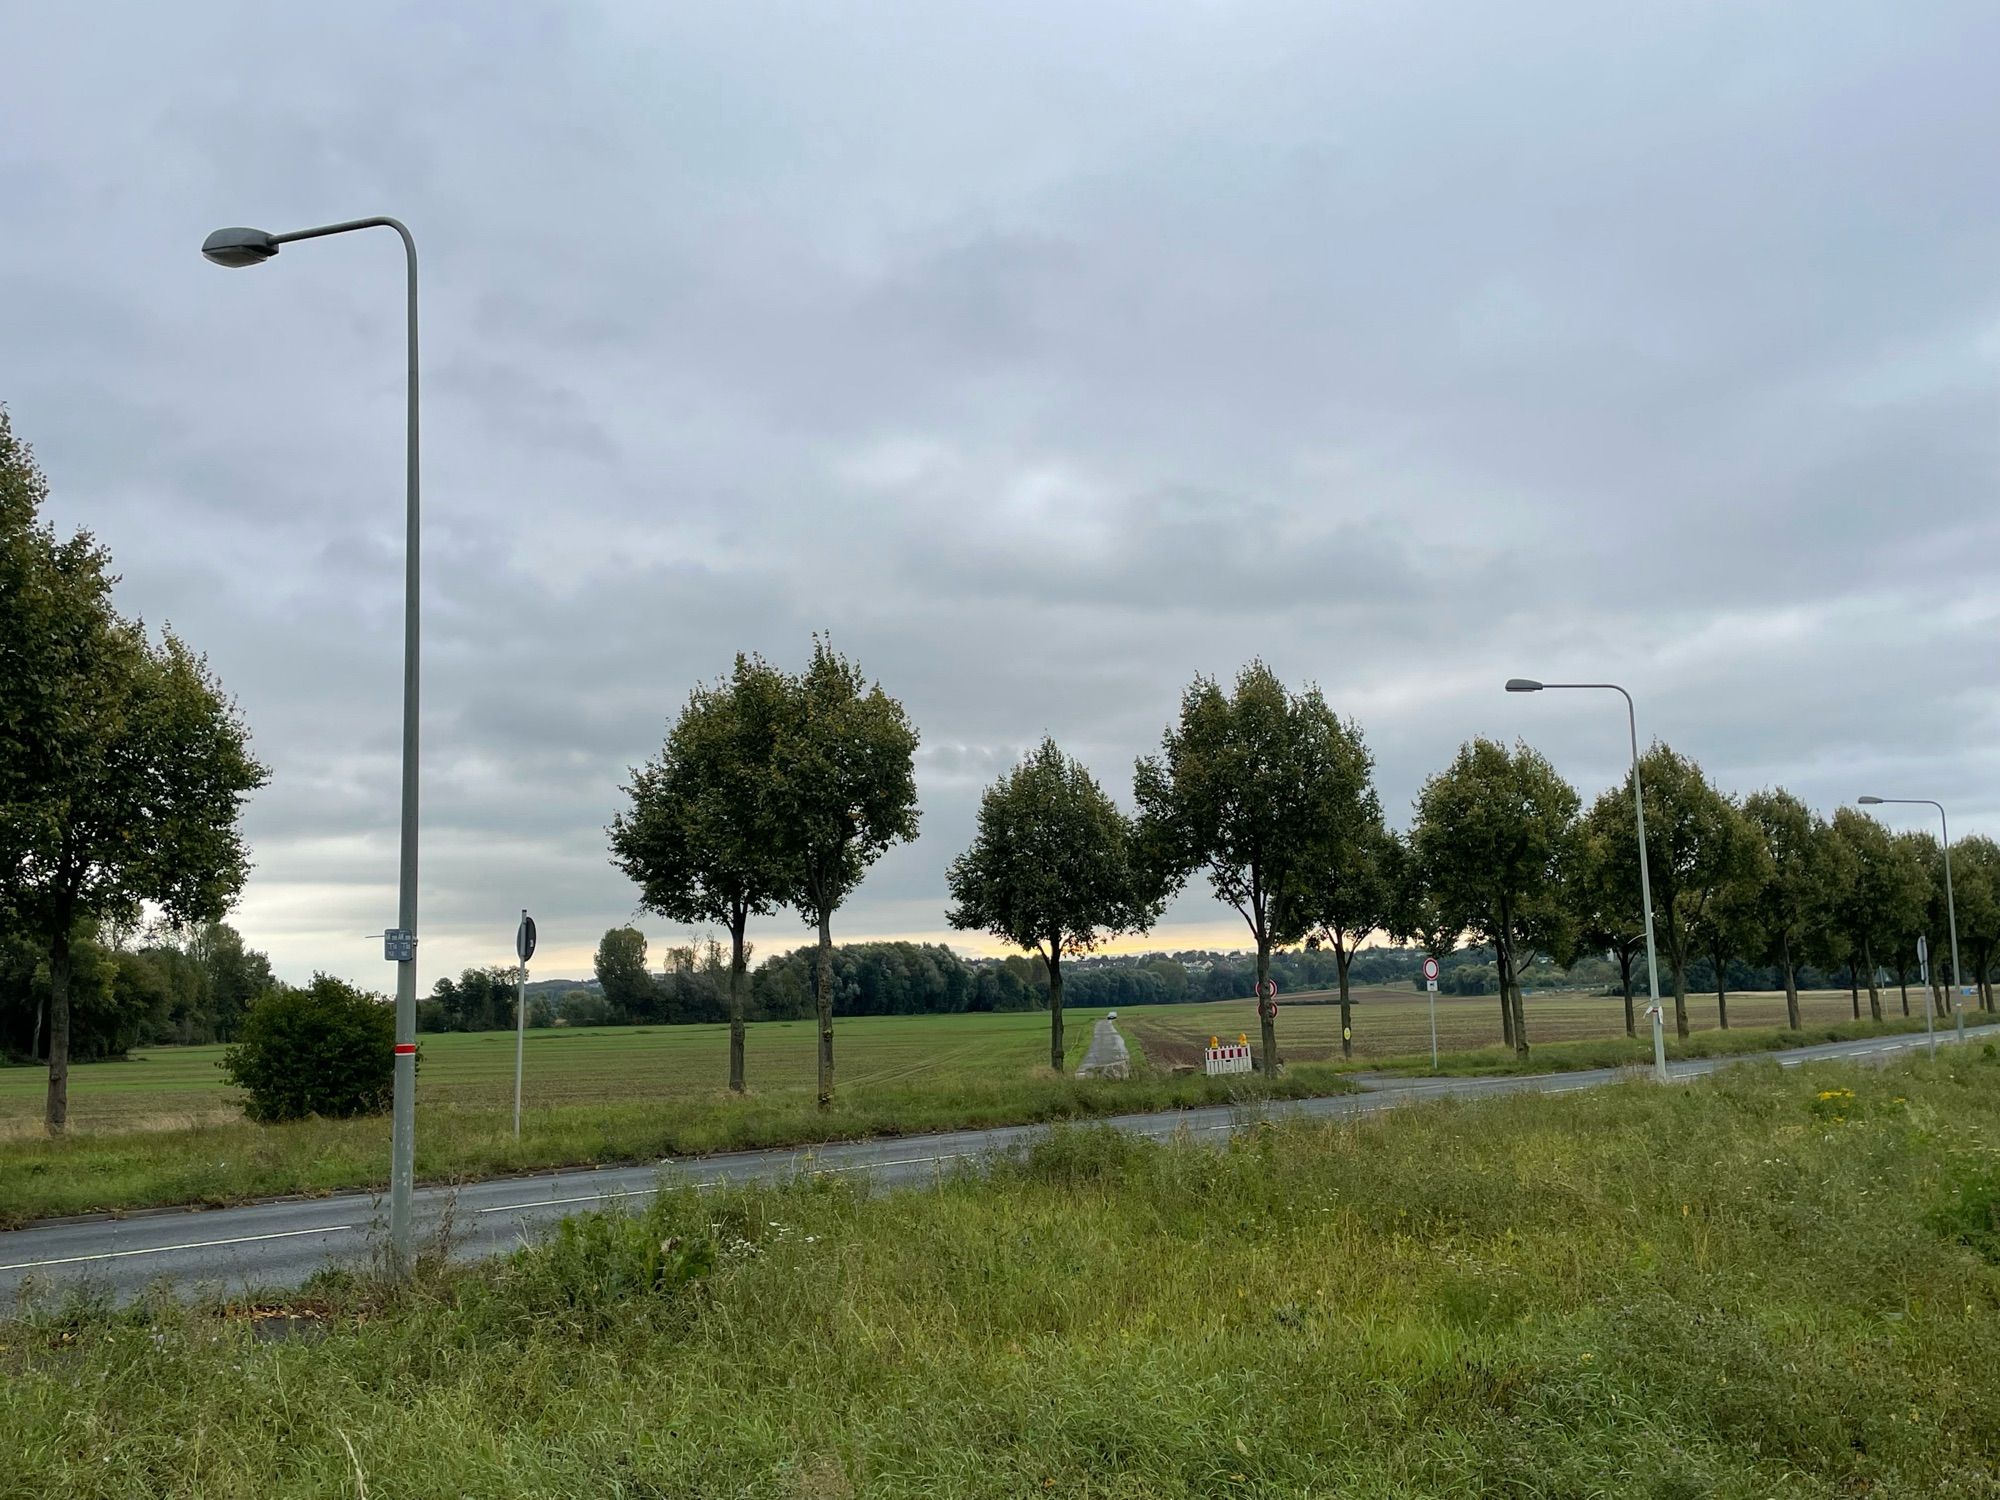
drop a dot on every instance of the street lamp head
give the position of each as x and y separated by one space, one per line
1869 801
1523 685
239 247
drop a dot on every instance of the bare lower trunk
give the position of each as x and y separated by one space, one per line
1056 1057
1506 996
1267 1009
1854 988
1680 997
56 1117
1510 1000
736 1003
35 1037
1791 991
1903 985
823 1002
1625 984
1341 959
1721 993
1874 994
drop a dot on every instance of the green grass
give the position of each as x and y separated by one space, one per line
1770 1284
615 1095
1629 1052
175 1087
1394 1023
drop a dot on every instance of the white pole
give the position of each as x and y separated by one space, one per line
1526 685
520 1030
1924 978
1434 1025
520 1035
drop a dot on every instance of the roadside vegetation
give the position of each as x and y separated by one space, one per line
1769 1284
616 1115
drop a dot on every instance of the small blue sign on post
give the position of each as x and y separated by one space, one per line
399 945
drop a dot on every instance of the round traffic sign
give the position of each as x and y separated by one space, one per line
1430 968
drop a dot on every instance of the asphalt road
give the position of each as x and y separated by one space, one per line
1107 1057
281 1243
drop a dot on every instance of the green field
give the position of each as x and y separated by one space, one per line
1394 1022
165 1088
162 1127
1771 1284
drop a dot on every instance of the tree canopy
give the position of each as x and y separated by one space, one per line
123 766
702 837
1495 838
844 788
1050 870
1253 785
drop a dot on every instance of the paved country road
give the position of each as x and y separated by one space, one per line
280 1244
1107 1057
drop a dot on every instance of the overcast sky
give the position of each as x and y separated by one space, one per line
1046 355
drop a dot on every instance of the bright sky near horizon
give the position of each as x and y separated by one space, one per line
1045 355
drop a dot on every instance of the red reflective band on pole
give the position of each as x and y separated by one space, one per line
403 1048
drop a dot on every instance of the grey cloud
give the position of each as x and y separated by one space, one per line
1045 356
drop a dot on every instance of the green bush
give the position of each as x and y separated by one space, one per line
327 1049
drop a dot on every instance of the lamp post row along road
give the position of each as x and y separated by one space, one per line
1950 902
252 247
1529 685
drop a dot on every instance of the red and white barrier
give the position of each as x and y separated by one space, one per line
1233 1058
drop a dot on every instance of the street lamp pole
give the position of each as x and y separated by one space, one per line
250 247
1529 685
1950 904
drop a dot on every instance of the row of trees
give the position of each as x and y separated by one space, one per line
773 789
123 767
130 990
1270 795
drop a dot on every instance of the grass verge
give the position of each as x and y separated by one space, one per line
1628 1052
234 1162
1770 1284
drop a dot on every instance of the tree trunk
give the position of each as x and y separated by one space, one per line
1056 1058
1854 988
1680 996
1625 984
1791 989
56 1118
1510 999
1341 958
1267 1012
1506 999
823 1001
1721 990
736 999
35 1037
1874 994
1903 985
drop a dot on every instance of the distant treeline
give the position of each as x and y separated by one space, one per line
130 990
904 979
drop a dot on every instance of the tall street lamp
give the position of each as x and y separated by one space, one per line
251 247
1529 685
1950 906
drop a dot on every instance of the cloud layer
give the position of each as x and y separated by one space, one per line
1044 358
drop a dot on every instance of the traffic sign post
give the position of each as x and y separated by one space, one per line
1431 985
524 949
1924 977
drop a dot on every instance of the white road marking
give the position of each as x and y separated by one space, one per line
241 1239
508 1208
